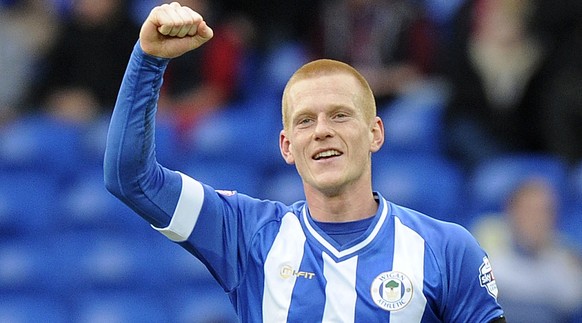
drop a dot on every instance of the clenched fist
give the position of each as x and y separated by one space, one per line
172 30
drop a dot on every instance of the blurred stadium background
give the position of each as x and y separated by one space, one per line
71 252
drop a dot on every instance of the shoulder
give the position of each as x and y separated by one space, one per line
447 242
432 230
246 207
457 264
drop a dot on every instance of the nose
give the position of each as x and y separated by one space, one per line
323 129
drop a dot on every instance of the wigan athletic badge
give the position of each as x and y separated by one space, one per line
391 290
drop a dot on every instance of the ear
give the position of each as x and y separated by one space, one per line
377 134
285 147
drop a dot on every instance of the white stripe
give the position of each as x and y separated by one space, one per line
409 259
340 289
186 212
286 252
355 248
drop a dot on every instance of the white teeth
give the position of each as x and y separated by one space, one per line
327 153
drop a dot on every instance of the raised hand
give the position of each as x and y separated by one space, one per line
172 30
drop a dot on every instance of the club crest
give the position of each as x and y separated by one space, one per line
391 290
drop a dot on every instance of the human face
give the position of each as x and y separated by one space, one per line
533 214
328 138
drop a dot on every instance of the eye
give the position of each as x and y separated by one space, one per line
304 121
341 116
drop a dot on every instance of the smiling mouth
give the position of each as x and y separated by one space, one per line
326 154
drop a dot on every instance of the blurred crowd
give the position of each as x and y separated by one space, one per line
499 77
510 68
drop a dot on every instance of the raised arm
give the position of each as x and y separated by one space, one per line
131 171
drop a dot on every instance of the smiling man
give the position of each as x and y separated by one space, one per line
330 132
345 254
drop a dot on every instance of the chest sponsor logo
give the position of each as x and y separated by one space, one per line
391 290
287 272
486 278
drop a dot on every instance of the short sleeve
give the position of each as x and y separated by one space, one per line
472 289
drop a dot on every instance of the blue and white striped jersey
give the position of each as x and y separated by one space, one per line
278 266
273 260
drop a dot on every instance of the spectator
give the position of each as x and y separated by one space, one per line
560 25
540 276
389 41
83 71
494 66
28 29
200 82
279 21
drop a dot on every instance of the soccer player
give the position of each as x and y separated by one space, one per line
345 254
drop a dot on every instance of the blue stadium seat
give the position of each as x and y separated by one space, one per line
443 12
86 204
571 221
279 64
26 265
41 143
19 308
575 185
226 175
493 180
570 225
205 303
101 260
412 129
413 122
28 202
93 141
282 183
120 306
243 134
427 183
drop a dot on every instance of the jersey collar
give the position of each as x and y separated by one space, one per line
381 216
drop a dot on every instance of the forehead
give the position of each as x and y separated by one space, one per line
331 89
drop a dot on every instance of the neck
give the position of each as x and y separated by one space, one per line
345 206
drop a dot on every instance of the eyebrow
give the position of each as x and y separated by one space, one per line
332 109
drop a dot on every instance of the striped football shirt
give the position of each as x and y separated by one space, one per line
278 266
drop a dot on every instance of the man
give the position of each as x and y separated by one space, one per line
525 235
343 255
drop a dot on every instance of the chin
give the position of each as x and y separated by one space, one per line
329 187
